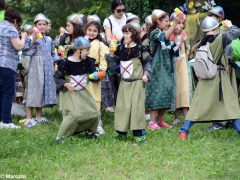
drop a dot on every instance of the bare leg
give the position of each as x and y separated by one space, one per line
29 112
160 119
185 112
38 113
153 115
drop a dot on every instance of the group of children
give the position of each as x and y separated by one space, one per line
151 62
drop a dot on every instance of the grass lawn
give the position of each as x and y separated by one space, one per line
35 154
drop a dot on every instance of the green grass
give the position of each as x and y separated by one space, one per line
34 153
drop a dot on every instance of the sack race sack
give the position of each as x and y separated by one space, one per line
204 66
79 82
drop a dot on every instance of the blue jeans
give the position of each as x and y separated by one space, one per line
187 124
7 91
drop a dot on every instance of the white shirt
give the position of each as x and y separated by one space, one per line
117 25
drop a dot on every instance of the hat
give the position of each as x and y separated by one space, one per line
95 18
209 23
156 14
76 19
41 17
136 26
217 11
148 20
27 27
81 43
131 16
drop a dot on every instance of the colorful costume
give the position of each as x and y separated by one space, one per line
97 51
41 90
160 91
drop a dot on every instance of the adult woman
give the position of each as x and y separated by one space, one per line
113 26
10 44
114 23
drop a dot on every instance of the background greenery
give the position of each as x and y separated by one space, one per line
35 153
58 10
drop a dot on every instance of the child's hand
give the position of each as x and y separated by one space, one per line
112 49
227 23
145 79
69 86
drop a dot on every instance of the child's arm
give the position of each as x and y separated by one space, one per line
147 65
102 60
231 34
29 47
59 78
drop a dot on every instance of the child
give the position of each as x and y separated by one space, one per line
78 106
41 90
214 99
182 81
135 72
160 91
97 51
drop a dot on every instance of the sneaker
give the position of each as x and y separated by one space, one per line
215 127
91 134
153 126
110 109
100 130
140 139
9 126
176 122
163 124
30 123
182 135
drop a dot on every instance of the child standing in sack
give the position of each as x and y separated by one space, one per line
214 99
135 72
79 108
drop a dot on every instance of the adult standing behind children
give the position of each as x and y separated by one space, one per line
114 23
113 27
10 44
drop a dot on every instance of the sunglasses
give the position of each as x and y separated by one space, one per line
120 10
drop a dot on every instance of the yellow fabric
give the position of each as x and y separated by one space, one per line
193 28
182 81
97 51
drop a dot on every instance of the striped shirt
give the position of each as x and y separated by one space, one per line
8 55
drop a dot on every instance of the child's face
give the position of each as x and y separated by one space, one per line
127 37
92 32
179 27
42 26
164 23
84 53
69 28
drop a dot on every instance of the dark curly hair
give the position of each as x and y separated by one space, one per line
135 35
